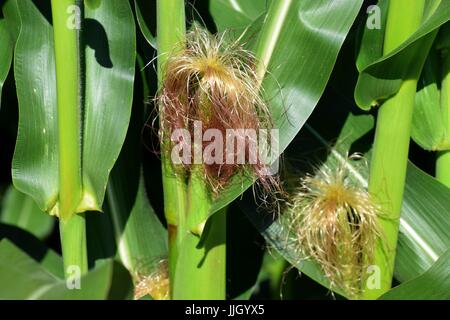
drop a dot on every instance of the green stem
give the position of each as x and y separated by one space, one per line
171 31
69 117
73 243
69 133
387 177
391 145
443 158
196 270
201 270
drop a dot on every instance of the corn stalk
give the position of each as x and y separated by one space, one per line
195 272
72 226
391 145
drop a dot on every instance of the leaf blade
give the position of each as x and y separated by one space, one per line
20 210
434 284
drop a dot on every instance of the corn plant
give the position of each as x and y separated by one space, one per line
135 161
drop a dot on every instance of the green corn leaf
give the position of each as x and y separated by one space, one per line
36 172
108 87
278 237
428 128
12 20
140 236
32 246
434 284
21 211
6 53
143 25
381 76
92 4
236 14
429 124
424 224
24 278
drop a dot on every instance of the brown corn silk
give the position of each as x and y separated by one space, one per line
214 81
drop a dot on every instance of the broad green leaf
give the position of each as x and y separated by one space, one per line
143 25
21 276
305 36
109 75
6 53
12 20
36 249
381 76
236 14
434 284
21 211
278 237
108 280
425 214
141 239
35 164
372 35
93 286
428 128
424 224
429 119
92 4
110 63
24 278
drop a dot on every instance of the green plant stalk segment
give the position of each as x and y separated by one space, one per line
443 158
202 274
181 198
73 244
72 226
69 113
171 33
391 145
